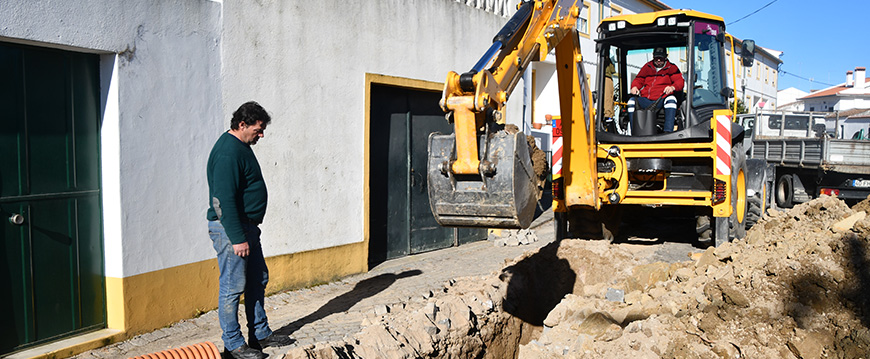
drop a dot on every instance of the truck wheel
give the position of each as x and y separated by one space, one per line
785 191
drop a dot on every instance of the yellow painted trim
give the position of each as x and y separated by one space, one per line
616 8
650 17
149 301
115 303
155 299
399 82
585 32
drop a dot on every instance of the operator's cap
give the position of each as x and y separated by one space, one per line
660 52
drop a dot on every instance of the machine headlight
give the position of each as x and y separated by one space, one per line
660 21
672 21
611 27
621 24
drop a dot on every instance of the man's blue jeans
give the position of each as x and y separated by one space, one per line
239 275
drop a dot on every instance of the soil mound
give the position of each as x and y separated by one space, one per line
796 287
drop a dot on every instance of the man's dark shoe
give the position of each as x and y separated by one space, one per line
246 352
273 340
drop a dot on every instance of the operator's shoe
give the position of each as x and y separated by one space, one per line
246 352
273 340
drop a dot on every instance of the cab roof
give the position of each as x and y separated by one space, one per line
650 17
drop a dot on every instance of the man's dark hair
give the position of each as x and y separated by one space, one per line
250 113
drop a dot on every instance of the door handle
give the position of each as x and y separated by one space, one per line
16 219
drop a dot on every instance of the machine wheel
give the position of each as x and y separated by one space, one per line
734 227
785 191
755 211
757 204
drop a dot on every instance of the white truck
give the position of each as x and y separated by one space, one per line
803 158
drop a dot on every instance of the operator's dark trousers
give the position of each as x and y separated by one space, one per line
670 105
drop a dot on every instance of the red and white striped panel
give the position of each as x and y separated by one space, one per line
557 155
723 145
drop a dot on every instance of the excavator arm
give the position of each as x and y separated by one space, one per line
481 176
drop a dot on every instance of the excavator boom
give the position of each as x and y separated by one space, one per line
481 175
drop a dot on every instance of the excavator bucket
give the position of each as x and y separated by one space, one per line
503 196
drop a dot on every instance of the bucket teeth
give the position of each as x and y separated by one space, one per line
502 197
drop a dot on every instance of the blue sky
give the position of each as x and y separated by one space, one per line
820 40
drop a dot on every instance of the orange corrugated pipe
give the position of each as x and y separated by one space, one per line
204 350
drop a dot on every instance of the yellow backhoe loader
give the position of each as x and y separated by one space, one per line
481 176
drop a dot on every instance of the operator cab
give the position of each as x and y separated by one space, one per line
694 43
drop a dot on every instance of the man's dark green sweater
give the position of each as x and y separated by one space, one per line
235 186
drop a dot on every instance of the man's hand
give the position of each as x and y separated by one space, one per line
669 90
241 249
635 91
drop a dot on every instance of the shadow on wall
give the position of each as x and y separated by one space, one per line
537 284
362 290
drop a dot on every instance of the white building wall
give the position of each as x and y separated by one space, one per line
159 117
173 72
306 63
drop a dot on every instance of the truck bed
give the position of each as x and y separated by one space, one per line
840 155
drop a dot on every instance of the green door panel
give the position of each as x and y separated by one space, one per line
48 122
49 175
426 233
15 305
11 123
398 226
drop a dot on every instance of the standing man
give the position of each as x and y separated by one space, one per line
656 79
237 206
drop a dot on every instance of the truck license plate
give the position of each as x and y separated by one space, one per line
861 183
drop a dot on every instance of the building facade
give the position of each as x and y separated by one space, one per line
852 94
755 85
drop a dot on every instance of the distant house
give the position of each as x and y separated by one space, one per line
787 100
853 94
854 123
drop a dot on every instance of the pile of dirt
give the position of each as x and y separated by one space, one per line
798 286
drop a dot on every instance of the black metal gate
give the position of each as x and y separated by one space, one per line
401 221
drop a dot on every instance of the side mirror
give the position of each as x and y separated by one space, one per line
747 54
727 92
595 96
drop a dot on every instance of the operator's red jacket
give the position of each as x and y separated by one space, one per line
652 83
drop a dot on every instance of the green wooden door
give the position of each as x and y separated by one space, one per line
52 269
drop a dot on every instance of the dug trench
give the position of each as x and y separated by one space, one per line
796 287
